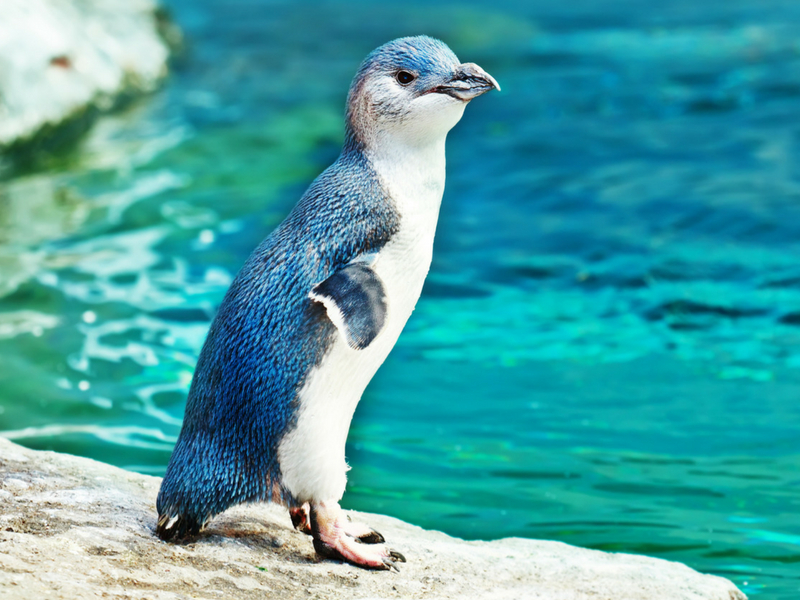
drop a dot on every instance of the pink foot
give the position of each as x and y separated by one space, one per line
332 539
301 520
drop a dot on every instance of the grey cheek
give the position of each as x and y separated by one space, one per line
392 110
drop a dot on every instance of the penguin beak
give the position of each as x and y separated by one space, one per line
468 82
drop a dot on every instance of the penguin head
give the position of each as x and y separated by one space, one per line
412 89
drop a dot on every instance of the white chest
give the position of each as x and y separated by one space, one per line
415 181
312 455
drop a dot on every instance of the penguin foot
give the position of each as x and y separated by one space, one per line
301 520
332 539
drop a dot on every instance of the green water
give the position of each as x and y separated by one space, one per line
607 351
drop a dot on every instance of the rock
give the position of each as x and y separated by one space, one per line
62 60
74 528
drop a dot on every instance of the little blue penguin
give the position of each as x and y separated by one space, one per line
317 308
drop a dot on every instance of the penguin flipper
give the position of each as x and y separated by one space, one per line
355 300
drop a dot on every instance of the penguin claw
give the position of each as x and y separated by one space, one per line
397 556
391 561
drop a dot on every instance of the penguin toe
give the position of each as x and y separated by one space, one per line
349 550
363 533
371 537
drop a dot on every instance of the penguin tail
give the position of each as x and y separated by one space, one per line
178 516
176 527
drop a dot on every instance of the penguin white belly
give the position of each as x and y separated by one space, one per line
311 456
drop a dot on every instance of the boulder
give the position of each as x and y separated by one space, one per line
62 61
74 528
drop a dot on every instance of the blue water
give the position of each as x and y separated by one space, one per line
607 351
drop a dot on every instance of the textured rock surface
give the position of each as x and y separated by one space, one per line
59 58
73 528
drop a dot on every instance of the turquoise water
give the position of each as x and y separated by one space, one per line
607 351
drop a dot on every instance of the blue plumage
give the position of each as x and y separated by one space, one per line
264 340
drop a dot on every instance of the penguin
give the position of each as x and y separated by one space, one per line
317 308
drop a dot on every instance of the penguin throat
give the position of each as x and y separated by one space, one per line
412 175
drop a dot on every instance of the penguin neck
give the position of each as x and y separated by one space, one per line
413 175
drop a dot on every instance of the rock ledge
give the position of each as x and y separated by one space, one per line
61 61
74 528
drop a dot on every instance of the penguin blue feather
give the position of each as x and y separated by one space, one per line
266 336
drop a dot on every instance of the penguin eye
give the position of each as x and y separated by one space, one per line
404 77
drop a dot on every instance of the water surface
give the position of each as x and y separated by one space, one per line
607 351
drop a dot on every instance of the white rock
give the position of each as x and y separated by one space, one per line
15 484
58 57
84 529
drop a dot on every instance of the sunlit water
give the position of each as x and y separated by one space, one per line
607 351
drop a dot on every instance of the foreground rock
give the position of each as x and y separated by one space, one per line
74 528
61 60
